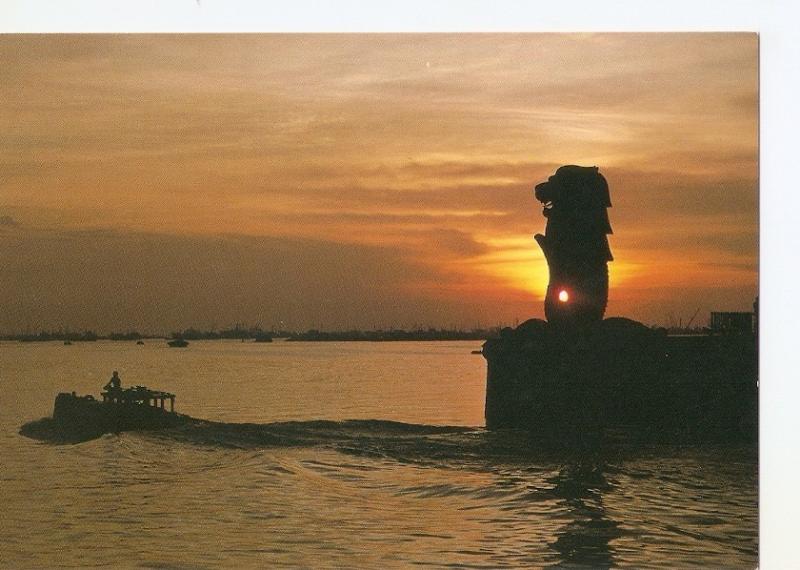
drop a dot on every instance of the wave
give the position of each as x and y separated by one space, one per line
374 438
398 441
359 437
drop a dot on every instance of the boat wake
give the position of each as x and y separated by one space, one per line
474 447
405 442
368 438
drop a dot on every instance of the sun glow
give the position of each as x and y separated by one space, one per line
382 179
563 296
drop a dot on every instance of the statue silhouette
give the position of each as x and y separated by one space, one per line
575 244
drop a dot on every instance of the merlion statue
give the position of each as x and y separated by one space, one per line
575 244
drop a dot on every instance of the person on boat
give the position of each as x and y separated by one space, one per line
114 385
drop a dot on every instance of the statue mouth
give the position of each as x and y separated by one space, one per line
544 192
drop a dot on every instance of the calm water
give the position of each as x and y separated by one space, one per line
365 455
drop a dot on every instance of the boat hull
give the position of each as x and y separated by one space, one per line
80 418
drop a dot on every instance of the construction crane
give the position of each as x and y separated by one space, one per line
692 319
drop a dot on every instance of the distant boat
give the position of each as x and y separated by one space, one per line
139 342
67 343
263 338
178 343
479 351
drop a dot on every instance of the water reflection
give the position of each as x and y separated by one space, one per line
255 491
585 540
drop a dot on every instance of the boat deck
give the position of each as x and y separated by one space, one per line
140 395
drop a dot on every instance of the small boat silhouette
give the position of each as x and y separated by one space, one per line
81 418
178 343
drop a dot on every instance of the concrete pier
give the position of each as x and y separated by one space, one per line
620 374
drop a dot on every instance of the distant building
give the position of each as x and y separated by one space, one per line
732 322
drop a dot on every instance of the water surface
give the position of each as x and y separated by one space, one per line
339 455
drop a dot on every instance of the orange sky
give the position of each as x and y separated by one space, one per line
334 181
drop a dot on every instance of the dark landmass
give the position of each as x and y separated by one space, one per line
396 335
238 332
258 335
45 336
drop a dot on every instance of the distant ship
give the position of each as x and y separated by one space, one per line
178 343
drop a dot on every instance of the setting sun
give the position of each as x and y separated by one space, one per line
316 188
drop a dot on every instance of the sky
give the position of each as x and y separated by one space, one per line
157 182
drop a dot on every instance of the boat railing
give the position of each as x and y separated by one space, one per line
139 395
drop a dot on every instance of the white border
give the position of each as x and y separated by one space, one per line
374 16
776 22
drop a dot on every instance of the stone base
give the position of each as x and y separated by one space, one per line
618 373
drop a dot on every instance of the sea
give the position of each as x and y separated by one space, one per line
343 455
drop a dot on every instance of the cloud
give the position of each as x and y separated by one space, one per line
354 144
109 280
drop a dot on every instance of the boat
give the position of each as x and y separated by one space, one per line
178 343
80 418
140 342
67 343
